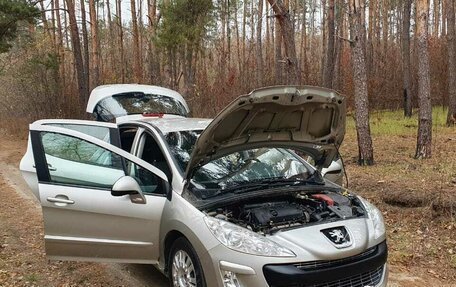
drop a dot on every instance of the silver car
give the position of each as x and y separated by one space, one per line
223 202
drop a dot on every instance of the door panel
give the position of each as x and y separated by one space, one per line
99 226
82 220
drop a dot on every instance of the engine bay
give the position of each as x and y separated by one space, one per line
269 215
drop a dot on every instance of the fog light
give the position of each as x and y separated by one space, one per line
230 279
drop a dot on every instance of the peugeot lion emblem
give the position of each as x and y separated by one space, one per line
339 236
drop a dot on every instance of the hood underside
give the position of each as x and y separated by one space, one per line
306 118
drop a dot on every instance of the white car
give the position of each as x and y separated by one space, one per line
222 202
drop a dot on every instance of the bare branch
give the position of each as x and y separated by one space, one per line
345 39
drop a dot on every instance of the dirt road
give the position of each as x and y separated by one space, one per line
22 258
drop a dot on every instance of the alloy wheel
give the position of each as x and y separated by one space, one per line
183 270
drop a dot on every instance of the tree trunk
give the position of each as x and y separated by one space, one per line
370 36
54 36
121 45
303 53
323 42
451 40
44 20
60 45
385 26
424 139
406 58
189 79
111 35
259 46
366 153
222 63
85 41
238 42
339 46
444 17
436 18
228 33
286 28
140 35
269 37
278 53
95 62
242 59
136 54
329 59
153 54
76 43
251 41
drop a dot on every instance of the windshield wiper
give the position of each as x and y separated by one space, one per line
267 183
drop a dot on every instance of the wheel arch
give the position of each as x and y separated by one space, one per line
170 238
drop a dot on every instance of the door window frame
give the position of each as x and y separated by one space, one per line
42 170
142 137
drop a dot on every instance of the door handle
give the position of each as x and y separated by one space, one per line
60 200
50 167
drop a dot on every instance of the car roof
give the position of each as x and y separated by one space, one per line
170 123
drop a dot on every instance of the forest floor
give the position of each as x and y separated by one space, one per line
417 198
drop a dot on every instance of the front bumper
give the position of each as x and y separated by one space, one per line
366 269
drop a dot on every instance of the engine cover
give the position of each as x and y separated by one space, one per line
275 213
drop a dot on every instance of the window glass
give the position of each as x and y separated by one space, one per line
137 103
305 156
154 155
75 161
181 145
148 181
250 165
127 137
101 133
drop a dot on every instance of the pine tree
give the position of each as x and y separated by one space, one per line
12 13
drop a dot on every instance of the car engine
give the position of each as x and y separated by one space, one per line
269 215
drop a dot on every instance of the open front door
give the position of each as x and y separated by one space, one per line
82 219
107 132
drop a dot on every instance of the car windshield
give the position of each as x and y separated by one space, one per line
137 103
253 165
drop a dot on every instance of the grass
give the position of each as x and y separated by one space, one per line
384 122
31 278
453 261
417 197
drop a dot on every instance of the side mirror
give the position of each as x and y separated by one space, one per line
127 185
334 172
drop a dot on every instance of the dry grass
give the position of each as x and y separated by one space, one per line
417 197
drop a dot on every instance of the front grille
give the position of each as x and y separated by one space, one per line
312 265
371 278
364 269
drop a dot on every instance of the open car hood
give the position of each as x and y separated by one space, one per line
109 102
304 118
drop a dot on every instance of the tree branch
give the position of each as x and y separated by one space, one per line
345 39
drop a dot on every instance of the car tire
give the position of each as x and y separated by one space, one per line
184 267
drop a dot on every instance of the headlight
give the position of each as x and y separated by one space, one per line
376 216
244 240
